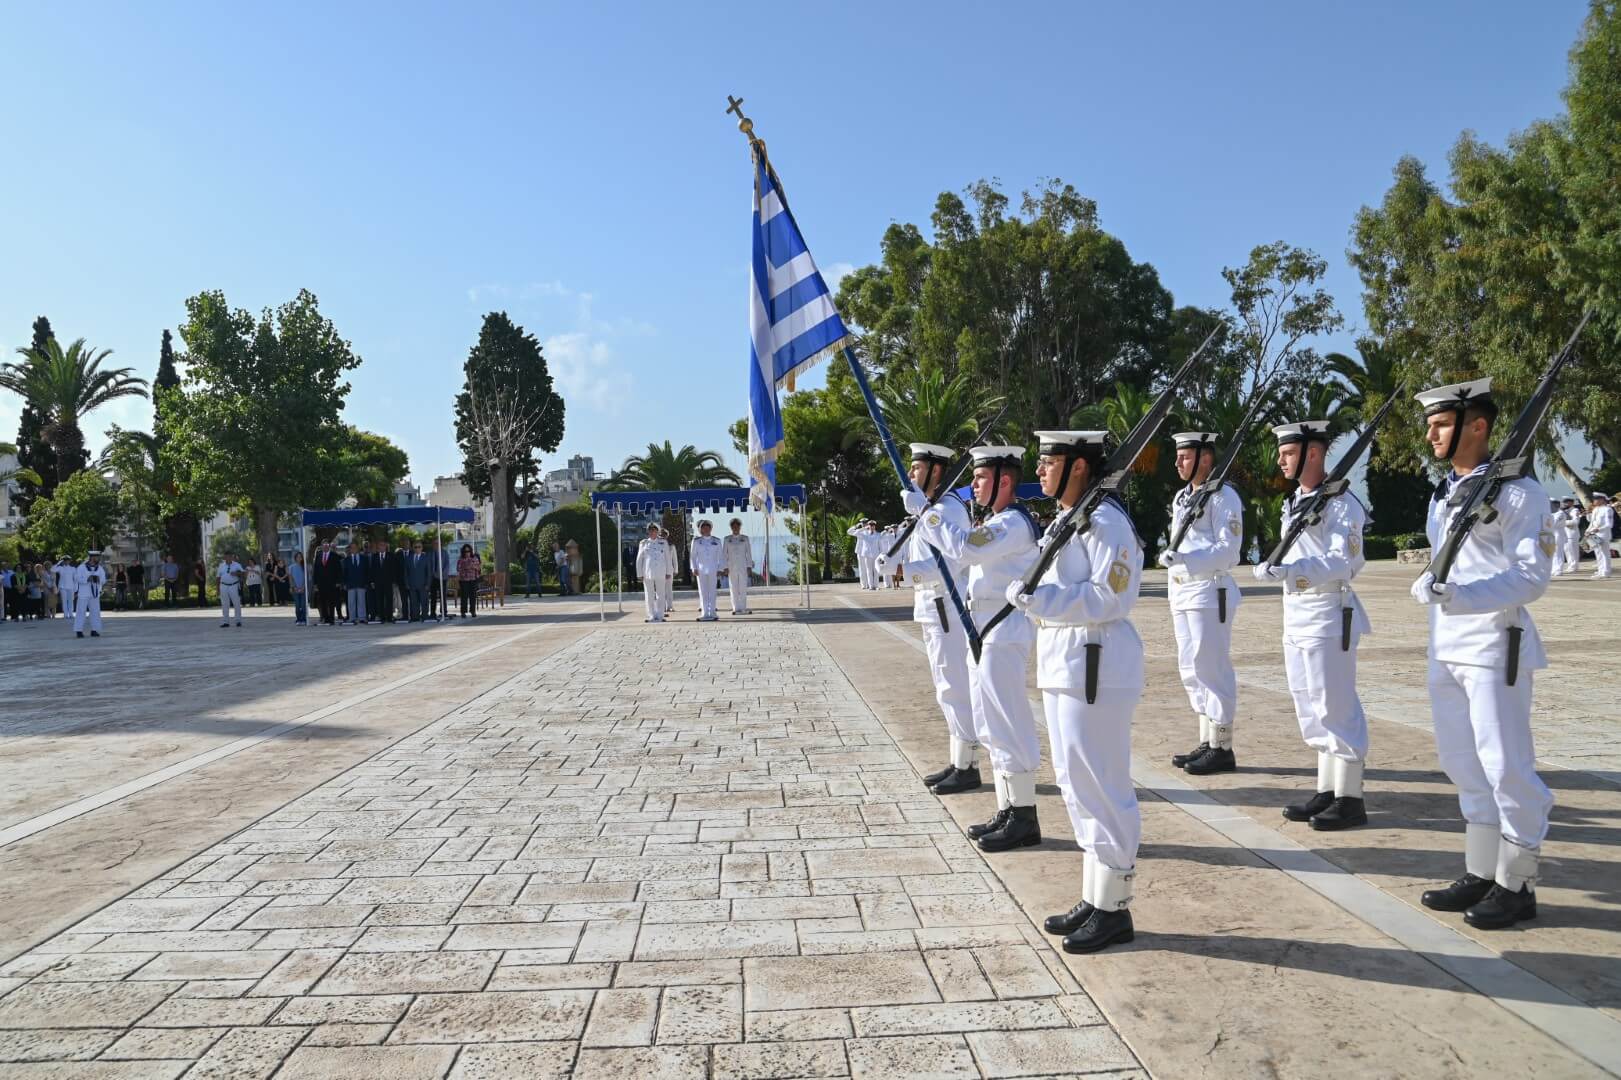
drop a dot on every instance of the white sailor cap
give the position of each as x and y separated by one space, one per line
997 455
705 521
1071 442
1191 439
1302 431
928 451
1455 396
1568 498
1600 496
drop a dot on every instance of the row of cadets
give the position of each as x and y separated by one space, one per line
1204 601
945 642
1567 537
996 552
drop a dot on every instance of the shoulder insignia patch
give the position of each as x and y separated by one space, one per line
934 519
1119 577
1354 542
1545 542
980 536
1235 524
1302 583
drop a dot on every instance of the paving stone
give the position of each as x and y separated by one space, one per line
299 917
958 976
811 982
506 1016
383 973
1033 1053
89 967
797 1025
355 1062
870 863
967 909
532 1061
408 890
124 916
544 935
641 1062
246 1053
401 939
960 1016
364 1009
163 1043
1016 971
691 941
924 1056
199 941
179 1012
679 973
97 1070
251 964
701 1014
55 1044
623 1017
768 1060
348 1035
551 976
81 1004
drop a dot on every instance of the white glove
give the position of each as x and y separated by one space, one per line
1427 592
1017 596
914 501
1169 558
1267 572
881 561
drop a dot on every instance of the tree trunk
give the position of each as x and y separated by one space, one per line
182 538
265 522
1568 475
501 526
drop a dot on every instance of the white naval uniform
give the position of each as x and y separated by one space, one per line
1567 538
706 559
996 553
944 639
1601 527
1208 552
739 564
1086 597
653 562
1483 725
231 591
66 584
1322 674
86 589
865 556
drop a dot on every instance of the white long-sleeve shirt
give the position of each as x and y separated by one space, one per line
706 555
1323 561
739 555
924 574
1086 597
88 580
1601 522
1208 551
996 552
653 559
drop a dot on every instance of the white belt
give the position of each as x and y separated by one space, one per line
1190 578
1048 624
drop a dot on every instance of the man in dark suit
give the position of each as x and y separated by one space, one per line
356 580
396 567
380 583
418 579
327 575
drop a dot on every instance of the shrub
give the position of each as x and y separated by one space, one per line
1411 541
1378 547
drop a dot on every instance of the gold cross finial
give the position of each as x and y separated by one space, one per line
744 124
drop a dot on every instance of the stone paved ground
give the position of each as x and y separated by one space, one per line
624 861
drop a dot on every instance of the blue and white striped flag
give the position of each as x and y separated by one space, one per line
792 324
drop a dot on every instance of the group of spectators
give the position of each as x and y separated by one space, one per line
374 583
30 591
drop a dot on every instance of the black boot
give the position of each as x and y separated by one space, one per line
1070 921
1305 811
1103 929
959 780
1215 759
1461 895
1019 829
1501 909
1180 760
934 777
977 831
1343 813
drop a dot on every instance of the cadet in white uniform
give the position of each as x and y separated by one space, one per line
1089 666
1568 536
945 641
865 569
65 574
996 552
669 573
1600 530
706 559
1322 622
1483 649
230 576
739 565
653 560
1203 603
89 578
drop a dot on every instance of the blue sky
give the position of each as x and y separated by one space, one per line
416 165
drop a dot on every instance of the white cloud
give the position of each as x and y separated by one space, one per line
585 370
835 273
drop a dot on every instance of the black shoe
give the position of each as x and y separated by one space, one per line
95 633
1019 829
1501 909
1343 813
1103 929
934 777
1461 895
959 780
977 831
1180 760
1213 760
1305 811
1070 921
78 633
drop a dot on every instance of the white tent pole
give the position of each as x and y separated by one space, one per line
619 553
602 599
439 554
804 545
304 550
765 562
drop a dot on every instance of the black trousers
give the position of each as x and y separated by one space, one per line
468 590
326 599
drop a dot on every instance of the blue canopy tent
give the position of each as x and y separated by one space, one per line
717 499
390 515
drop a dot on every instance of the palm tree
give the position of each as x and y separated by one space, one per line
1397 494
20 472
922 405
663 468
66 386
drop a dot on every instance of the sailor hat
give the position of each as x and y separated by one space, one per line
1302 431
997 455
1071 442
927 451
1455 396
1186 440
1600 496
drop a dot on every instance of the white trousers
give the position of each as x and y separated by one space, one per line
1569 555
1003 723
1204 656
1091 747
948 664
669 593
655 593
737 583
231 598
357 602
1483 738
1601 553
88 605
868 571
1322 680
706 592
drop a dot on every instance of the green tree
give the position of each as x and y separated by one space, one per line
66 385
33 452
1398 493
664 468
231 541
257 422
1280 307
369 466
132 458
182 526
922 405
507 383
19 474
79 516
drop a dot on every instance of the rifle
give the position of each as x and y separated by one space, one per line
1333 485
1078 518
1218 475
946 484
1511 462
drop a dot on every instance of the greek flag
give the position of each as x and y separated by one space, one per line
792 324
